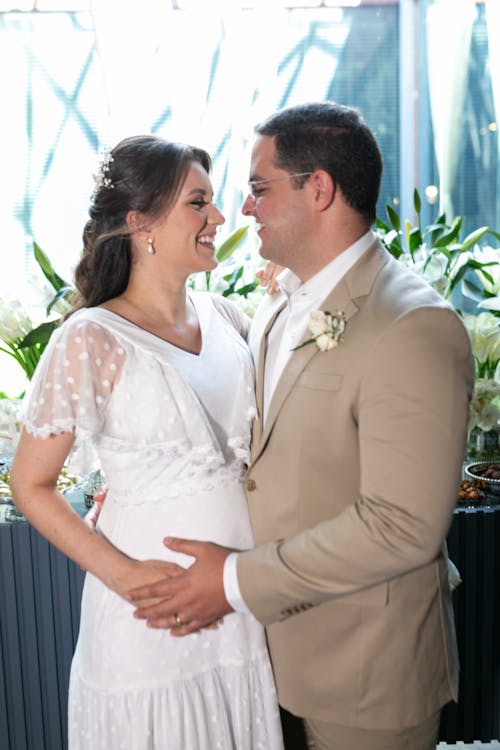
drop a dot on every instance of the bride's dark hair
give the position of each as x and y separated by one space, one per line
142 173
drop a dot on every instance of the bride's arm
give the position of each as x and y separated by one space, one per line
34 475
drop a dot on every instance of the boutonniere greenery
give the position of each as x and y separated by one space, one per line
326 330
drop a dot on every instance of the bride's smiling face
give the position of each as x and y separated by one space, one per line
184 236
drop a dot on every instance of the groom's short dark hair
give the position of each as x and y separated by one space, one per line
329 136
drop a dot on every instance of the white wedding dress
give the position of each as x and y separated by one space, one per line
171 431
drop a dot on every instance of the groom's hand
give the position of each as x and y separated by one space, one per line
191 600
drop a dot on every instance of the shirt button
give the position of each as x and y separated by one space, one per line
251 485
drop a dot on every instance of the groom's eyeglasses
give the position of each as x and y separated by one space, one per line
255 190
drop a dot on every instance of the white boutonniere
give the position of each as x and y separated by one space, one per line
327 330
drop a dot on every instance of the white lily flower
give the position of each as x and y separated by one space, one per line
432 269
10 426
489 417
15 323
489 255
484 334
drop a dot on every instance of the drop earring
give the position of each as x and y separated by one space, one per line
151 249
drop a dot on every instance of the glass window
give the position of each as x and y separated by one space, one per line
206 72
474 189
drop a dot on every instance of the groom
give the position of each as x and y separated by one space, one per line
356 455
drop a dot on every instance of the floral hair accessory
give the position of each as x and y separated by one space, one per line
327 330
102 178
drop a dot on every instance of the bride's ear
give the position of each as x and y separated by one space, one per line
137 223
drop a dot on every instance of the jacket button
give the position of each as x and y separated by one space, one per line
251 485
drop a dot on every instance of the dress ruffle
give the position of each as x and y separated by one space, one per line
222 708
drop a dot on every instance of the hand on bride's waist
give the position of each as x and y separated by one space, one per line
144 572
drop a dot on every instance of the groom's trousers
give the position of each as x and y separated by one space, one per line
328 736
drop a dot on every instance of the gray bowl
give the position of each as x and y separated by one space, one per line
491 486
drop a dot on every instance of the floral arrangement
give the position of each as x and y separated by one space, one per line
437 253
468 276
484 409
326 330
10 427
22 340
484 334
15 324
484 417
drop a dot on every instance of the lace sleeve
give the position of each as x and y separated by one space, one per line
230 310
73 381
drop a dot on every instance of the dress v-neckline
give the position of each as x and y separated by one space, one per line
201 323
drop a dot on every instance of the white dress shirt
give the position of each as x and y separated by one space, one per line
286 333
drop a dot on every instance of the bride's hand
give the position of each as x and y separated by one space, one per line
267 277
145 572
151 571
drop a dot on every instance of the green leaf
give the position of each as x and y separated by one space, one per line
39 335
393 217
451 235
458 277
243 291
479 267
47 268
395 248
231 243
414 239
392 243
232 279
474 237
417 203
433 232
379 224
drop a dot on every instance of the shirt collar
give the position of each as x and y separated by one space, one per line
319 285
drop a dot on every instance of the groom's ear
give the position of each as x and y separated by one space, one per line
323 188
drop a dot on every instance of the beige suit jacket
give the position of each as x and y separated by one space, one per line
351 491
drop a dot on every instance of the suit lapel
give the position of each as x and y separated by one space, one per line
357 283
261 324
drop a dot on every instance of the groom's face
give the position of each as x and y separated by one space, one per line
282 212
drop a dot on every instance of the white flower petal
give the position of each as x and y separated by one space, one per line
317 322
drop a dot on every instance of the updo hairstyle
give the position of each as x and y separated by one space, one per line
142 173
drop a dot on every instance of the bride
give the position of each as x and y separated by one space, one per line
158 382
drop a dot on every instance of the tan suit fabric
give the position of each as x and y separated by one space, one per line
351 490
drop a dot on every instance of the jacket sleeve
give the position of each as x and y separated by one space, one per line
412 415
